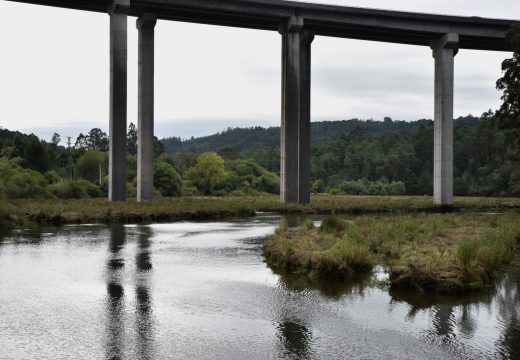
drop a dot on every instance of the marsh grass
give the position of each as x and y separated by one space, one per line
57 211
447 253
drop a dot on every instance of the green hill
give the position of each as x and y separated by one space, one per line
259 138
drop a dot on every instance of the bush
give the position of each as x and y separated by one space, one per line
21 183
167 180
380 187
76 189
90 164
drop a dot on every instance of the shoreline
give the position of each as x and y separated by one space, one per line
77 211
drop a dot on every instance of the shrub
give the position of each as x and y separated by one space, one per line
76 189
167 180
23 183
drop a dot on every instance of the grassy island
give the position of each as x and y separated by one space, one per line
447 253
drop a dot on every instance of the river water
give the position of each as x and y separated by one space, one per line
193 290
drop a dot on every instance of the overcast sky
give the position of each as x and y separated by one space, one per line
54 72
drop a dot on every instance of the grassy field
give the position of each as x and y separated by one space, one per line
446 253
55 211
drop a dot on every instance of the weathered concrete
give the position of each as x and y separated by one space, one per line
145 146
444 51
326 20
118 100
295 128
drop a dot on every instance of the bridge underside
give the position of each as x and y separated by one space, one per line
298 23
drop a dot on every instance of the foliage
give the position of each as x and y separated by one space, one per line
208 174
166 179
74 189
364 187
92 165
508 115
18 183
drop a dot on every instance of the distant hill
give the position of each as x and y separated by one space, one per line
259 138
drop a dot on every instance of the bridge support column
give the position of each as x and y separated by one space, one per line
296 112
118 97
444 51
145 146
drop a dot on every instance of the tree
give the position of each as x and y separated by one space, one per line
508 115
166 179
208 174
81 142
56 139
97 140
92 166
131 139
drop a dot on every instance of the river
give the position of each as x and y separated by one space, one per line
200 290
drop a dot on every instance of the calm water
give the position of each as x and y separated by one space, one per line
201 291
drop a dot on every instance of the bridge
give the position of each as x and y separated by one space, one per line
297 24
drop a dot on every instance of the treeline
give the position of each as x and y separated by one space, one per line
245 140
387 157
485 162
33 168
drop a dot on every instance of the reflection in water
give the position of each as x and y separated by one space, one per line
508 299
115 301
116 312
295 338
331 289
223 306
144 325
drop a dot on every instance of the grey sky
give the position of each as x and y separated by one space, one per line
54 72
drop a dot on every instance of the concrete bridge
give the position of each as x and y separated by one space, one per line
297 23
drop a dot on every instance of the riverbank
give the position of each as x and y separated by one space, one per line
448 253
57 211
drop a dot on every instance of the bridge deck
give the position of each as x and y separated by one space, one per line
327 20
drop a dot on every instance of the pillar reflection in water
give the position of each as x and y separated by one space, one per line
144 305
115 303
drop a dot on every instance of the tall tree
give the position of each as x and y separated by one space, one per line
131 139
508 115
97 140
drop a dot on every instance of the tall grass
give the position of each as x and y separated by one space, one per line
168 209
432 252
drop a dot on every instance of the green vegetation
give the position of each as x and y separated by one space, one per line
430 252
30 168
52 210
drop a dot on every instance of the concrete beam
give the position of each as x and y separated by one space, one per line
444 50
295 127
145 124
118 100
325 20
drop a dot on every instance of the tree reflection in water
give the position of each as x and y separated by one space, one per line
295 338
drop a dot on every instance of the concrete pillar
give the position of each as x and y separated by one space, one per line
444 50
118 10
296 96
145 152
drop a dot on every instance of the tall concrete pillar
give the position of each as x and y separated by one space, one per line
145 152
296 112
444 50
118 10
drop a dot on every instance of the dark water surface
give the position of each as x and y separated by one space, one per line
202 291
